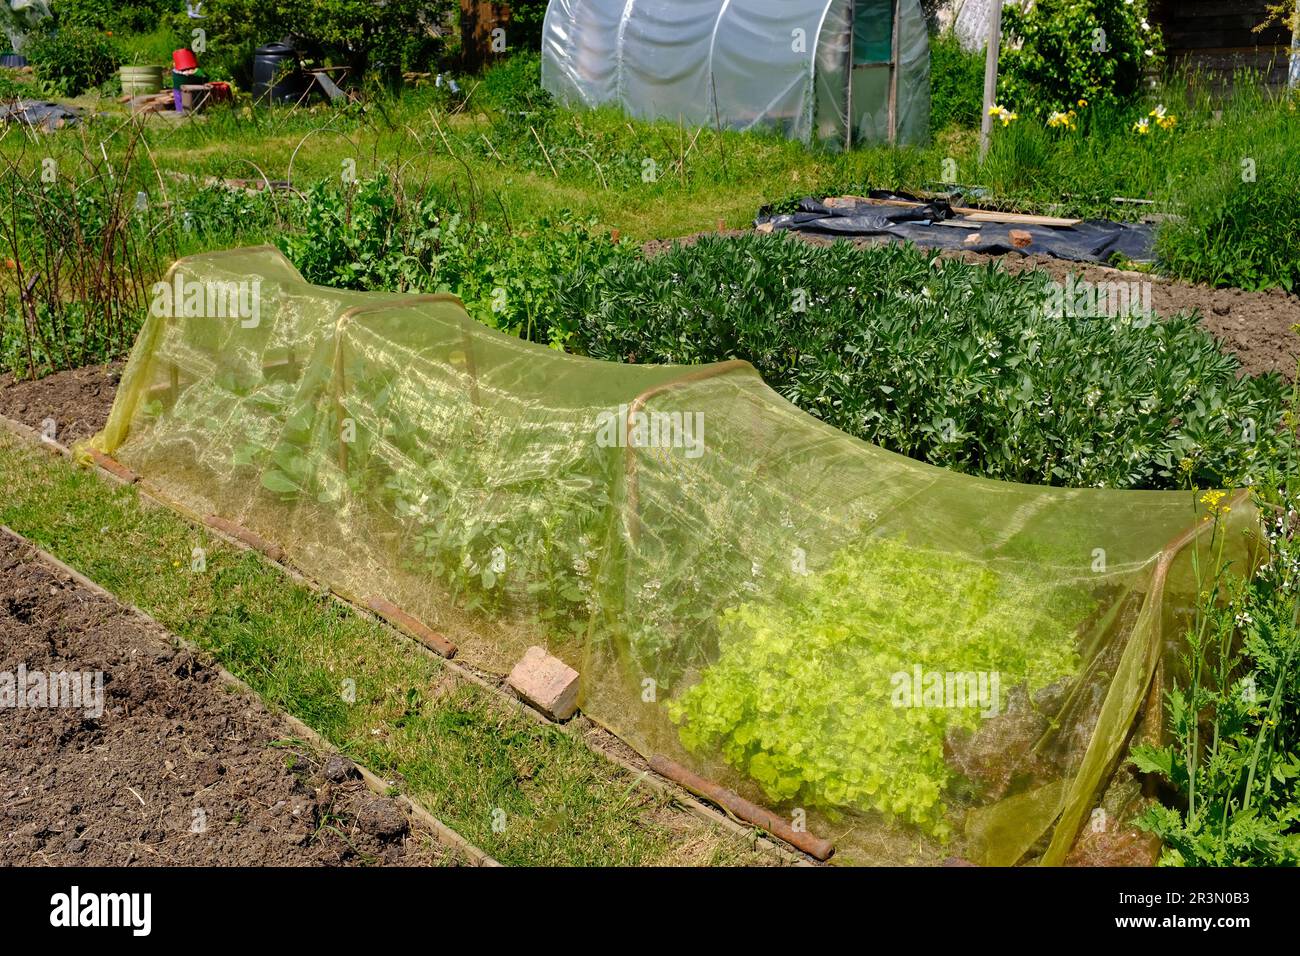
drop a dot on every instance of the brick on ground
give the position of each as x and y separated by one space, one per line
546 683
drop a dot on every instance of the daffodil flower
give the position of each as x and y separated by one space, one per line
1061 120
1004 114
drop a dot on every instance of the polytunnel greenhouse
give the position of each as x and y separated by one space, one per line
836 72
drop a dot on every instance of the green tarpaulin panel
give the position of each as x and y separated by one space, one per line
873 31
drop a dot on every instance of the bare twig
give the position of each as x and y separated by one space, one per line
544 152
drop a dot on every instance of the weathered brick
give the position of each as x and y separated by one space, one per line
546 682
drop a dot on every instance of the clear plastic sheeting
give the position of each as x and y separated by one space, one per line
762 65
743 64
580 51
665 55
831 73
913 64
18 18
926 664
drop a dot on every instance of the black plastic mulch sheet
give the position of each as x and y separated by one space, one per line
934 225
48 116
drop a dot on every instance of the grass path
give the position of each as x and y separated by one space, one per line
525 793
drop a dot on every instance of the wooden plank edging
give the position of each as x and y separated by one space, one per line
114 467
239 532
814 846
413 626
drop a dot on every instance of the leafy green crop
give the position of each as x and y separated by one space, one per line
800 698
956 83
373 237
959 365
429 476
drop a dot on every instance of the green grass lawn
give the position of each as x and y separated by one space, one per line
521 164
524 792
506 158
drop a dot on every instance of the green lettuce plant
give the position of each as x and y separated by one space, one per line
802 696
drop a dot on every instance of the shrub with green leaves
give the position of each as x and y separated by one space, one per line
956 83
373 236
71 59
525 31
516 84
960 365
802 696
10 89
358 32
1055 52
126 15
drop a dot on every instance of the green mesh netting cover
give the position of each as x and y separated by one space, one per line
920 663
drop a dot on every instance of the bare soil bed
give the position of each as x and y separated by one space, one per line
179 768
77 401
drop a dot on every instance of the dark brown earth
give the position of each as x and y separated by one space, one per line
1257 327
176 750
77 401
